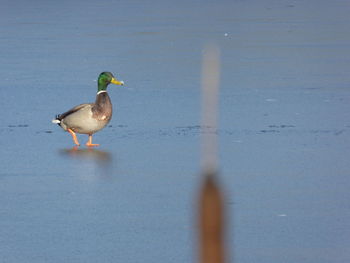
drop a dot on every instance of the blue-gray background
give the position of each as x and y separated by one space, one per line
284 129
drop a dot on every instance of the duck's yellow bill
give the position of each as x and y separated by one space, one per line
117 82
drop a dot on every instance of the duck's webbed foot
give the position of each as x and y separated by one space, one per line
89 143
74 136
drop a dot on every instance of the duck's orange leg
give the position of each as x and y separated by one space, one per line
89 143
75 139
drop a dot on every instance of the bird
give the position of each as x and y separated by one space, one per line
89 118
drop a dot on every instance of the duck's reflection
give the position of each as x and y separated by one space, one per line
88 154
90 161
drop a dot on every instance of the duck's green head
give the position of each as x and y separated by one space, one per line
105 79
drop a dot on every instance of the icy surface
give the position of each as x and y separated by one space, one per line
284 129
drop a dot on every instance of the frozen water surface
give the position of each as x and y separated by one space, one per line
284 129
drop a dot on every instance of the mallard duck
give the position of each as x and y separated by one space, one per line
89 118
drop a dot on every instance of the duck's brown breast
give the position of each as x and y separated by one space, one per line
102 110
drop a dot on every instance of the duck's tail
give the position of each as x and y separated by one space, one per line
57 120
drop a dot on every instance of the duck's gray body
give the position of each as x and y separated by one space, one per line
87 118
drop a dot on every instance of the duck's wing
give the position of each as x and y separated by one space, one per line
73 110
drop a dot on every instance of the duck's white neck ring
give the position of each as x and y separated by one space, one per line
101 91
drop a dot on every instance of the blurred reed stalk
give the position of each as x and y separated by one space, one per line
211 204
